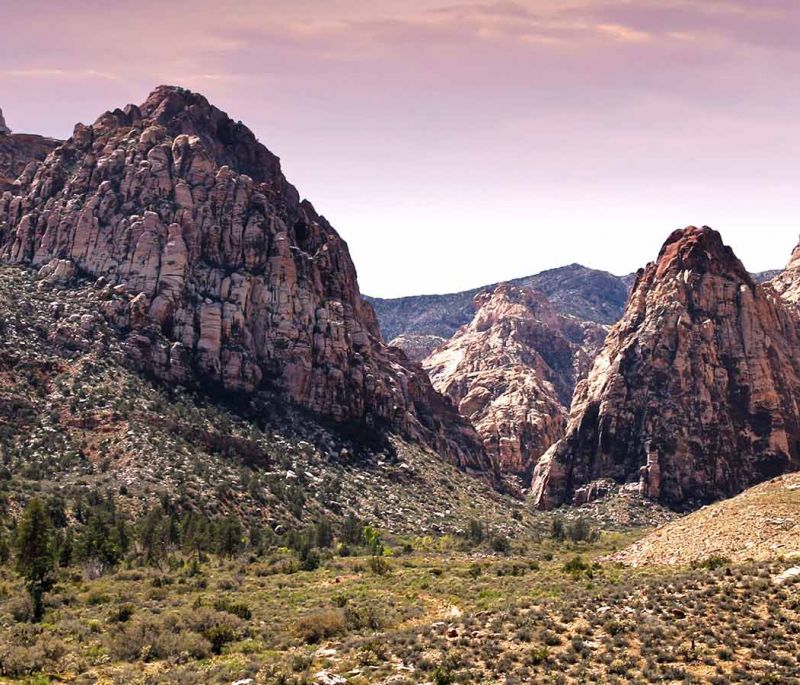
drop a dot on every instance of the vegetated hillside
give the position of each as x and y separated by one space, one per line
76 419
761 524
574 290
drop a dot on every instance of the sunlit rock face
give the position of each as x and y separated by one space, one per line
787 283
696 392
218 272
512 371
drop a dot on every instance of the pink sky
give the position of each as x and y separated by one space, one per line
455 144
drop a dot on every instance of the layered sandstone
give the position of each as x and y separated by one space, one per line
787 283
19 155
696 393
512 372
217 272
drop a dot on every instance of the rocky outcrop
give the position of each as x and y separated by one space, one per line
512 372
217 272
787 282
3 127
417 347
696 393
19 155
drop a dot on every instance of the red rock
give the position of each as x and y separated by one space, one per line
512 372
245 285
696 392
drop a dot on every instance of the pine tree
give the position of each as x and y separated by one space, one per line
229 536
35 559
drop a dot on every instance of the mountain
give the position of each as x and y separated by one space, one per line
416 346
759 524
696 393
216 274
574 290
787 282
17 150
79 424
512 371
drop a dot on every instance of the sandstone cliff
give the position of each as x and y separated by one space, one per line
216 272
787 282
696 392
512 372
17 151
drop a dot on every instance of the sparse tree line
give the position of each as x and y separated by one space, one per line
98 537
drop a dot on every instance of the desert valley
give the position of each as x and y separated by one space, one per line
223 462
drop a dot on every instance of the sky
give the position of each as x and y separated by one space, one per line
455 144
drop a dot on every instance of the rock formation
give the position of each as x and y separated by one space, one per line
787 282
573 290
18 151
216 271
512 372
417 347
696 392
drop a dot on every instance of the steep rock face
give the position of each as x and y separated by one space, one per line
3 127
217 272
18 152
512 371
787 282
696 392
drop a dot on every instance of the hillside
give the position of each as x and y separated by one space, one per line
222 278
763 523
77 420
574 290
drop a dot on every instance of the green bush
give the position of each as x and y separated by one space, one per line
320 625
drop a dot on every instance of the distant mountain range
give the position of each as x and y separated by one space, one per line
573 290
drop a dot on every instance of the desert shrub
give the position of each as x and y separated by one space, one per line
239 609
379 566
122 613
320 625
501 544
577 566
152 639
714 562
363 617
218 636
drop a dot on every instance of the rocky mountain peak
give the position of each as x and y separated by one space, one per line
787 283
699 250
695 393
512 370
3 127
216 273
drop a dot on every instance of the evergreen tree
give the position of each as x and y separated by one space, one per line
324 533
99 542
154 536
229 536
34 549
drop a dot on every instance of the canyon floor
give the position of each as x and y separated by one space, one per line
431 610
